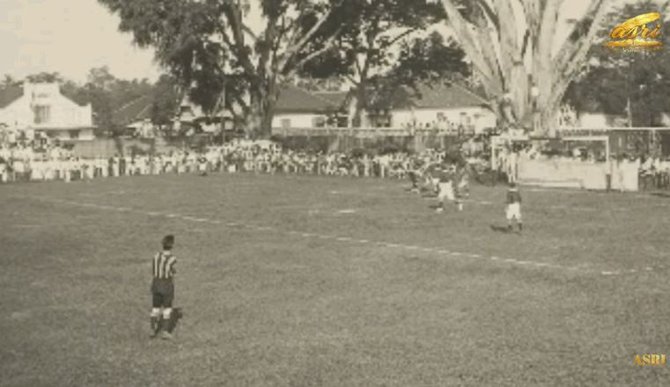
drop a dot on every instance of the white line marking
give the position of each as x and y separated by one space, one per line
342 239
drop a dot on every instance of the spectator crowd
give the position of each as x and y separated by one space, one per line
38 161
25 163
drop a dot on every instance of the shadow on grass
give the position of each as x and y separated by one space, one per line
176 315
502 229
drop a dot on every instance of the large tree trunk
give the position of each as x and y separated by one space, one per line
360 114
261 112
505 63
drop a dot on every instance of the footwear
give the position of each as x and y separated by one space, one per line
165 335
439 210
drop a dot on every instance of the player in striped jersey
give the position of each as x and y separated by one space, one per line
162 289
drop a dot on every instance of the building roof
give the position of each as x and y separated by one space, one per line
79 99
293 99
12 93
138 109
9 95
337 98
432 96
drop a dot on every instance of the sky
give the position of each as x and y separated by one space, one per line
69 37
73 36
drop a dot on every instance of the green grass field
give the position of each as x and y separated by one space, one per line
312 281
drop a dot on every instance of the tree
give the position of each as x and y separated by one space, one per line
526 76
372 33
8 81
615 77
165 100
429 59
426 60
211 46
101 78
45 77
107 94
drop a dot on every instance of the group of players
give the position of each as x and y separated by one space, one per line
449 182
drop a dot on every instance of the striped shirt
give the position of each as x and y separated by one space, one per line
163 265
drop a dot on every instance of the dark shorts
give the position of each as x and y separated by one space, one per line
162 293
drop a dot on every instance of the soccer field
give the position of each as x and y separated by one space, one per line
314 281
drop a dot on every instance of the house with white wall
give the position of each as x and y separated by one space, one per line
599 120
439 106
42 108
297 108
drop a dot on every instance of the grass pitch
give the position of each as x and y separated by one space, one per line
313 281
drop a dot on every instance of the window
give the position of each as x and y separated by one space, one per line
285 123
42 114
74 134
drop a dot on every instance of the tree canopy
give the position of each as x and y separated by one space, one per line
245 48
614 77
512 46
372 35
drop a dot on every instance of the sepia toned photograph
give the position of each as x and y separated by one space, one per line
337 193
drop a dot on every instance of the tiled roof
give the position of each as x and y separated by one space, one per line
9 95
293 99
14 92
136 110
433 96
79 99
337 98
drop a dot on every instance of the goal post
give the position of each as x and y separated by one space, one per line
574 161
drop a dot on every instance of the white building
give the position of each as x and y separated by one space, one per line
440 106
42 108
598 120
300 109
